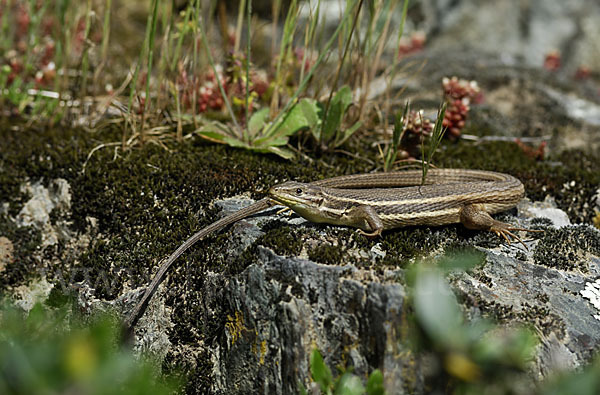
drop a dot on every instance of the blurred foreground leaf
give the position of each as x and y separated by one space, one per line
48 351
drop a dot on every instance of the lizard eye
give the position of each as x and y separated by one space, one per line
299 191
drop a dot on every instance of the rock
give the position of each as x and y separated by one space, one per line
36 212
286 306
517 30
26 296
6 253
545 209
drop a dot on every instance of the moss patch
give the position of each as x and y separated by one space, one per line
567 248
284 240
24 265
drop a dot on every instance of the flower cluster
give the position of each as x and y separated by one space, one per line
233 81
40 55
205 87
416 124
459 94
552 61
417 128
409 46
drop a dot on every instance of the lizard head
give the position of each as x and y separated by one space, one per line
296 194
304 199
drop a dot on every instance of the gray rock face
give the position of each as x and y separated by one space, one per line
520 32
547 298
524 30
284 307
43 201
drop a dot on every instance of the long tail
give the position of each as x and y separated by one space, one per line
142 304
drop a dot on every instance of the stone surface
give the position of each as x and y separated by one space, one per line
286 306
6 253
36 211
26 296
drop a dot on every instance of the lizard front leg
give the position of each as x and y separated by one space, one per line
358 215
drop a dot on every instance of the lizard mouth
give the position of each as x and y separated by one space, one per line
281 197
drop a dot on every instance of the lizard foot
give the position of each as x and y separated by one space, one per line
374 234
505 231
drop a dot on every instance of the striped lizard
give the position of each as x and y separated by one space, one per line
376 202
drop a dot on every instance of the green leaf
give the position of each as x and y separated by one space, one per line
257 121
218 137
344 96
347 133
337 108
283 152
320 372
349 384
333 121
375 383
270 141
304 115
512 348
436 308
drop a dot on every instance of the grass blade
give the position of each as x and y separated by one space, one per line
434 142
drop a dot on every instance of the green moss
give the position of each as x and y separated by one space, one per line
147 201
567 248
326 253
25 265
283 240
162 201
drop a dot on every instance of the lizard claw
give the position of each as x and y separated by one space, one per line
504 230
375 233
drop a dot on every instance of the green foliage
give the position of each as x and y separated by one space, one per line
48 352
347 383
391 152
478 355
329 133
320 372
262 136
375 383
435 140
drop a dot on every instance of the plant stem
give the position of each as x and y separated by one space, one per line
221 89
85 58
341 64
248 45
150 54
304 82
434 142
238 26
106 28
195 63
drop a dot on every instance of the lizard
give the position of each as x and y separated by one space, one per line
375 202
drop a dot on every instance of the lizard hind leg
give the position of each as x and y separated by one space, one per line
473 216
